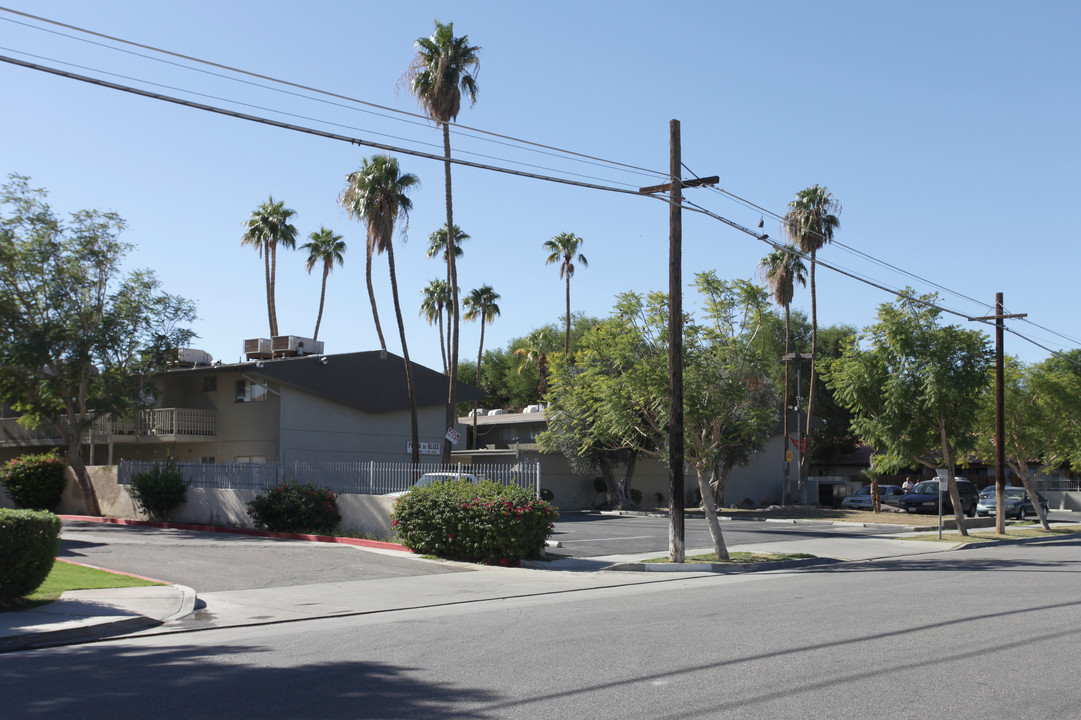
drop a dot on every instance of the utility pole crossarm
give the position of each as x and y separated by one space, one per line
998 317
712 180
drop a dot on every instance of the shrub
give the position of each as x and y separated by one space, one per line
636 496
35 482
160 490
486 522
292 507
547 495
29 542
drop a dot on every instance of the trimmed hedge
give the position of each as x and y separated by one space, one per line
291 507
486 522
160 490
35 482
29 542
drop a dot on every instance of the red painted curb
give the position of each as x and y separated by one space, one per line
241 531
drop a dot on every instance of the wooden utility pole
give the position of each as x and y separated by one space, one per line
1000 411
676 490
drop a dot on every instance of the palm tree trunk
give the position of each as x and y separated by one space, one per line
567 332
453 315
270 292
805 459
405 354
322 298
442 343
371 297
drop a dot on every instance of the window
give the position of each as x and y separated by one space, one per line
210 383
207 460
247 391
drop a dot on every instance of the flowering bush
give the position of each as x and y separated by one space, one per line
29 542
35 482
160 490
486 522
292 507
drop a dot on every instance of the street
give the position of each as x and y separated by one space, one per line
978 633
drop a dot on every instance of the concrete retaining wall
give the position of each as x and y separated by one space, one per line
368 514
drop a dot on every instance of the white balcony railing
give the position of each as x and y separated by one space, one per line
158 422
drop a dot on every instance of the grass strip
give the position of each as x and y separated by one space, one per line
1014 532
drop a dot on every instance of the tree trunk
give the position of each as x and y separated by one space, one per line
480 354
82 477
405 354
567 332
628 473
805 457
453 317
371 296
442 343
322 299
718 484
1030 488
955 496
270 297
876 498
269 293
706 484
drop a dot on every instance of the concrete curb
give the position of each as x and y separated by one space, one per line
797 521
722 568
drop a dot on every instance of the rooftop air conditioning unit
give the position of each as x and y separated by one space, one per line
479 412
533 409
499 411
286 345
258 349
190 357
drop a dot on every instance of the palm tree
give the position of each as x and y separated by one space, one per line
325 247
377 194
810 223
437 242
480 303
562 249
437 246
349 199
444 68
268 227
539 344
782 269
436 299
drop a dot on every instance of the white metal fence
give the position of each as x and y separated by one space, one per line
370 478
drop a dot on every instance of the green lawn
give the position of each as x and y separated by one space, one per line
67 576
1013 532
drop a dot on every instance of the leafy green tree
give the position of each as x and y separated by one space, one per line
436 299
78 337
914 388
810 223
533 350
443 68
324 247
481 305
378 194
267 228
1042 405
563 249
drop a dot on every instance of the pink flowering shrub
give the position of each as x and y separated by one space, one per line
35 482
296 508
487 522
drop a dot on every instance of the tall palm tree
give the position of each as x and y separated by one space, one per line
539 344
782 269
325 247
437 246
268 227
349 198
562 249
436 300
480 304
443 68
377 194
810 223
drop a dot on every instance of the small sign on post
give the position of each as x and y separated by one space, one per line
943 487
453 436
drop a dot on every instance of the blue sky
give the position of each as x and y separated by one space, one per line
948 132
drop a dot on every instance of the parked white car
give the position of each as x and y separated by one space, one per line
434 478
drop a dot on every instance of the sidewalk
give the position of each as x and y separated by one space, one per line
84 615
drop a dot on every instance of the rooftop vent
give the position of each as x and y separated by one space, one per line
291 345
258 349
190 357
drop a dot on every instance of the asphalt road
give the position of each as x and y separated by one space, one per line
592 534
988 633
212 562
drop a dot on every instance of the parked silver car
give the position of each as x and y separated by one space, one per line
1016 503
861 499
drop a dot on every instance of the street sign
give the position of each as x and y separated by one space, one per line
788 456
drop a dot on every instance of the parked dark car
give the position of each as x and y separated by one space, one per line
1017 504
924 498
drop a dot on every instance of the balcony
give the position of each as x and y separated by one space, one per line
168 424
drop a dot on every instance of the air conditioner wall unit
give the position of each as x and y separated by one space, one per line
258 349
295 345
